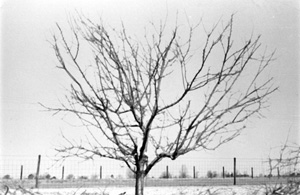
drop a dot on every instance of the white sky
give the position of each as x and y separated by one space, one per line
29 76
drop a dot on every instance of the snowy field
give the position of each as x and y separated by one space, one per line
126 187
220 190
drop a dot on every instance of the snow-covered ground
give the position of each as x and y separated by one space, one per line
220 190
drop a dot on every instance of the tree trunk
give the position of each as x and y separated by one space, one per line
139 183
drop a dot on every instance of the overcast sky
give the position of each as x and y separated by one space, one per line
29 76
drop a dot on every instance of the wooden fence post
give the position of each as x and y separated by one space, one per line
37 172
278 172
223 172
167 171
21 174
234 171
100 172
252 172
63 173
194 172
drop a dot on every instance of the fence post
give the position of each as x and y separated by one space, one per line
223 172
62 173
278 173
234 171
100 172
252 172
194 172
21 174
37 172
167 171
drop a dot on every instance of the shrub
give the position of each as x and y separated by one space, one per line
83 177
292 187
46 176
211 174
70 177
245 174
164 175
7 177
31 176
227 174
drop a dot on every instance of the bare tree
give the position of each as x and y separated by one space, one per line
120 94
287 163
287 159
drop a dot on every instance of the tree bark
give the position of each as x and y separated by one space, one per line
139 182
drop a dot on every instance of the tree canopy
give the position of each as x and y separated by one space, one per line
119 90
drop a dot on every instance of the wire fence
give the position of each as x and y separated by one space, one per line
46 172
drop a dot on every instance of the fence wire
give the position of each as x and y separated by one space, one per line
74 173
